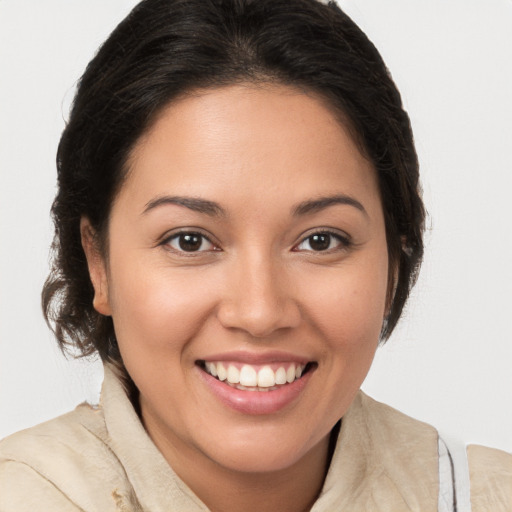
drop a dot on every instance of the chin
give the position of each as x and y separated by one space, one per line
256 460
266 451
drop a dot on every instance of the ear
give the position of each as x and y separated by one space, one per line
97 267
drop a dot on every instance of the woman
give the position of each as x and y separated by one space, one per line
238 224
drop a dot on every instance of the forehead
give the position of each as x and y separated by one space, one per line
252 142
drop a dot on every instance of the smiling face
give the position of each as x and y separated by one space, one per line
247 242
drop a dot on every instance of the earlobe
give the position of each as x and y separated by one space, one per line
97 267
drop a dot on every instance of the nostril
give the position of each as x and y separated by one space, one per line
258 318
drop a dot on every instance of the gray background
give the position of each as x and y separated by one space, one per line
450 361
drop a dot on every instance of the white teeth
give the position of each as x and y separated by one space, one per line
211 368
222 374
233 374
266 378
281 376
249 379
252 388
248 376
290 373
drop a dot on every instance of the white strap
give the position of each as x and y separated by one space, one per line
446 500
454 473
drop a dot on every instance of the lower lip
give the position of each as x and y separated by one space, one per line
255 402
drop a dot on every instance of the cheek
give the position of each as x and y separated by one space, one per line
157 308
348 304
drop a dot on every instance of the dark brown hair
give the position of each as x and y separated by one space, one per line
167 47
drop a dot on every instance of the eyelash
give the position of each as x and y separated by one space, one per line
344 242
176 237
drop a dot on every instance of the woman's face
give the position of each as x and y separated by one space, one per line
247 242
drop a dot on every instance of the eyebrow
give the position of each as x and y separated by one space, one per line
195 204
215 210
316 205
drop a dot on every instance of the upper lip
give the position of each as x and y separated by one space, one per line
257 358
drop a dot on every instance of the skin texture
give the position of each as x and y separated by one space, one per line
257 286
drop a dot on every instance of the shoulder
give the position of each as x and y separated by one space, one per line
384 460
66 463
490 473
409 451
65 439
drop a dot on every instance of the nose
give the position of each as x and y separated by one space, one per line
259 298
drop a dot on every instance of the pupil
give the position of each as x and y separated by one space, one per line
190 242
320 242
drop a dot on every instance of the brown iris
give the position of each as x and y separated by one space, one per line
190 242
320 241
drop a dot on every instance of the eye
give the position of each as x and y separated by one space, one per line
323 241
190 241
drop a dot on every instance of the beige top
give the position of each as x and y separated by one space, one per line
101 459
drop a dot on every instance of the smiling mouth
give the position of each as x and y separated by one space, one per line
247 377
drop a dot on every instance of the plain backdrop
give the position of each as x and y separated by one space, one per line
450 361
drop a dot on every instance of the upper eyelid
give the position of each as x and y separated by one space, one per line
329 231
184 231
